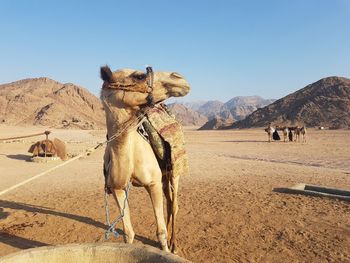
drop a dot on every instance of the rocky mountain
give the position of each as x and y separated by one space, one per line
185 116
194 105
237 108
240 106
323 103
213 108
217 123
42 101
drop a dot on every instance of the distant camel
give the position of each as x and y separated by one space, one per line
270 130
300 132
285 134
129 157
303 133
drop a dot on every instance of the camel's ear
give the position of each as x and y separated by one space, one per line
106 73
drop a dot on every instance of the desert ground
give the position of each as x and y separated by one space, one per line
228 209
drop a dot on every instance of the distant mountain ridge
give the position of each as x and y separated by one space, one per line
323 103
216 124
186 116
236 108
43 101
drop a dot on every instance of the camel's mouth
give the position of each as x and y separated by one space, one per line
176 90
175 85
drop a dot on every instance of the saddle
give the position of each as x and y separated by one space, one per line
165 135
49 148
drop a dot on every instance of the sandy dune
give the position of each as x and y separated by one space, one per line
228 211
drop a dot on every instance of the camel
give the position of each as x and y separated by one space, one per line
300 134
303 133
129 157
269 131
48 148
285 134
297 134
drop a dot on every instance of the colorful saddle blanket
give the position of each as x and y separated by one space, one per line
167 139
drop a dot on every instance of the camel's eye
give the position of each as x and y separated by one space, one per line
139 75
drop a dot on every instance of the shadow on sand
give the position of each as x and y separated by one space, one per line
48 211
3 214
19 242
245 141
22 157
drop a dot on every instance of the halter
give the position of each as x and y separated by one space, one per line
148 88
136 86
150 76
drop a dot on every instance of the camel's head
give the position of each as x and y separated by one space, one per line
138 87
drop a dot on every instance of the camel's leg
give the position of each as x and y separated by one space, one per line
156 194
167 192
119 195
174 210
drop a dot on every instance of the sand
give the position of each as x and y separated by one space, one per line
228 211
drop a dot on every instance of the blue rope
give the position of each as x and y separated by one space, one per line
111 227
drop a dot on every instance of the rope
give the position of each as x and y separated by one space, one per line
130 125
111 227
25 136
90 150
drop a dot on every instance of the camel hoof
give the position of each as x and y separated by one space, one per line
165 248
129 239
173 249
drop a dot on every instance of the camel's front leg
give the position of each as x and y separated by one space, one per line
119 195
156 194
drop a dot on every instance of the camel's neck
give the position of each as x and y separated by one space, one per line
120 122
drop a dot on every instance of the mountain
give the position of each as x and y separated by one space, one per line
323 103
240 106
237 108
217 123
42 101
214 108
185 116
194 105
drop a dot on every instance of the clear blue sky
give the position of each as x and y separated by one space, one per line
223 48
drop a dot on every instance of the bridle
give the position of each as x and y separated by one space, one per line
148 88
150 77
136 87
